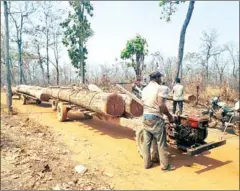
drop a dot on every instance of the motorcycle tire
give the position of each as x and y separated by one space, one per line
236 127
213 123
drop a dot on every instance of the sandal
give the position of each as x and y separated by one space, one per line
168 167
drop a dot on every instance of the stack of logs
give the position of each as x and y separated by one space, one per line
110 104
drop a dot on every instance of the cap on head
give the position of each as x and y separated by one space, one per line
155 75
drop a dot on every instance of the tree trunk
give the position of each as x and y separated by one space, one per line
137 70
8 75
104 103
197 97
40 62
182 36
57 74
48 76
24 79
20 77
11 71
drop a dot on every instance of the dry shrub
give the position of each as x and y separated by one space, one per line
226 93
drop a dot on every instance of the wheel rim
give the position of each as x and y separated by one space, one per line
59 111
236 127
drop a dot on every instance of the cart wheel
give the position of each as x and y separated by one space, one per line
61 112
24 101
86 116
236 127
139 142
54 105
38 101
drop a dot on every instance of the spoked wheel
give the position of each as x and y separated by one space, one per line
236 127
61 112
213 123
38 101
139 142
54 105
24 100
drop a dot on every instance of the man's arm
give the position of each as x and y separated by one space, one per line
163 109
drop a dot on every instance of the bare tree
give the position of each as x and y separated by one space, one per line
234 55
209 49
220 64
56 34
169 7
19 14
9 87
42 31
157 61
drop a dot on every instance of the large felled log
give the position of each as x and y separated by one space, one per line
105 103
188 98
14 90
132 107
35 91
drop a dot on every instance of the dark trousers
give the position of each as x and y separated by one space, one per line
157 132
180 105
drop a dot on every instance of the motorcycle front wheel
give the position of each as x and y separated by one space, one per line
212 122
236 127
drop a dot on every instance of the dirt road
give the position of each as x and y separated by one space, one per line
112 149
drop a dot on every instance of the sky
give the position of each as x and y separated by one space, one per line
116 22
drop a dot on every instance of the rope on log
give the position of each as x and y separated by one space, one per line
105 103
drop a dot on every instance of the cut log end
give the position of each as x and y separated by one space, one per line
136 109
191 98
115 105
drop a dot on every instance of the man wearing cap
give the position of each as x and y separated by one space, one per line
154 125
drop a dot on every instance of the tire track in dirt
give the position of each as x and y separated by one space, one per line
112 149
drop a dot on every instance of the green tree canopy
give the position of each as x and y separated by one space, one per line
135 50
77 32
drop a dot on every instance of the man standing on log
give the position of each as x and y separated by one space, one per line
178 96
154 125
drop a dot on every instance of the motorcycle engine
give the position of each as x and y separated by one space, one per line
188 130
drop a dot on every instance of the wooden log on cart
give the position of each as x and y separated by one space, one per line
14 90
105 103
132 108
188 98
35 91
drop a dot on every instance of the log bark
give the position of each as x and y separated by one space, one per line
104 103
132 108
188 98
35 91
